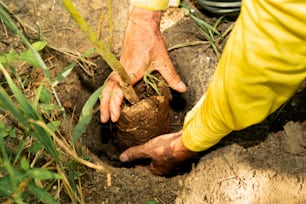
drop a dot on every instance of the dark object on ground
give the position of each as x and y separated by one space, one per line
221 7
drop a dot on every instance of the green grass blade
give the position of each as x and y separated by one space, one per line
7 104
22 100
50 107
41 194
7 165
67 70
41 174
20 148
86 114
6 19
5 188
29 113
45 138
37 95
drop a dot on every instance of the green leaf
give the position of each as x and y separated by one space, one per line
150 202
41 194
89 52
2 126
28 57
35 147
39 45
86 114
28 112
63 74
8 21
12 132
51 107
45 96
7 104
38 95
45 138
8 58
5 187
80 128
24 164
54 125
20 97
41 174
4 131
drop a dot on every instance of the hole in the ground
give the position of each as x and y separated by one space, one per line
178 102
111 151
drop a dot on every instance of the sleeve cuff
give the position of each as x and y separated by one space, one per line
198 135
155 5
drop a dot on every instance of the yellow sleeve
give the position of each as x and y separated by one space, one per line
262 65
155 5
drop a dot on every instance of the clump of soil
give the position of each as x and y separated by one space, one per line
148 118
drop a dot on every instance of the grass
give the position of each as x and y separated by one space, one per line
43 158
210 33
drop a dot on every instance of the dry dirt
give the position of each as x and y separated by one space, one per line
265 163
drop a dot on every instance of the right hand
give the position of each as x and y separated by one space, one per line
166 152
143 48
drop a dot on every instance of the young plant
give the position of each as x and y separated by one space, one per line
104 51
152 81
207 30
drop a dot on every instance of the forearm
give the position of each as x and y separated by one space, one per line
263 63
144 19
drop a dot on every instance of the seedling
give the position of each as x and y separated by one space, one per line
152 81
207 30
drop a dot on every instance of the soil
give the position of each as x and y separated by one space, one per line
265 163
148 118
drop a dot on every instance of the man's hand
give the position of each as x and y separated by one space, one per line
166 152
143 48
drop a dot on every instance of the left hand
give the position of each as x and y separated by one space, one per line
166 151
143 48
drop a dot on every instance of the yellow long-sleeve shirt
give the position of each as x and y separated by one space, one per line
262 65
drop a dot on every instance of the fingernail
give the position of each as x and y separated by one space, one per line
181 86
124 158
114 116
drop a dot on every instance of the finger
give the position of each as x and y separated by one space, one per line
134 153
170 75
115 103
104 104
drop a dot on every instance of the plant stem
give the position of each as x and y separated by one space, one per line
106 54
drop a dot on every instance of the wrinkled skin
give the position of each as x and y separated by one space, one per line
166 152
144 48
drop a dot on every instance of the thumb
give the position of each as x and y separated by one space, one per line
171 76
133 153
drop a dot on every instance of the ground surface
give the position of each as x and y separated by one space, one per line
262 164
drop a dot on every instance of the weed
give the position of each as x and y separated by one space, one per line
209 31
152 81
29 172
